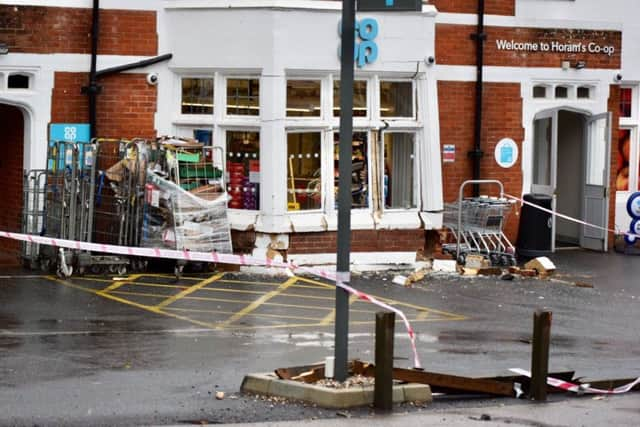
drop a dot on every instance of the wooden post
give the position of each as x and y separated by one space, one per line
540 354
383 388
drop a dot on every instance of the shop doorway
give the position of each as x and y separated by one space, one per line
12 123
571 164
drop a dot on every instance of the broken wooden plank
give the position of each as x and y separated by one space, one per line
288 373
311 376
609 384
443 380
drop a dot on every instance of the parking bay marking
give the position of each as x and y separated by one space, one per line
165 307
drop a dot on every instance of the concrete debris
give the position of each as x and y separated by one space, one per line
444 265
542 265
476 261
401 280
219 395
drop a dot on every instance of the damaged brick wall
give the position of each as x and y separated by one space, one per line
37 29
502 118
361 241
125 109
11 169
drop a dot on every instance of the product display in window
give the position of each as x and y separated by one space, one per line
359 169
304 177
243 170
622 154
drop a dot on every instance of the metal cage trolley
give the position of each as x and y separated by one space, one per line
477 226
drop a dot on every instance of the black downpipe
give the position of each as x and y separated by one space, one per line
93 88
133 65
476 154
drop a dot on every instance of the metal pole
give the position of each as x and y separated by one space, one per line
347 41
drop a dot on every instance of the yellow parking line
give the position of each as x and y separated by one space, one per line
133 304
257 303
189 290
275 316
329 318
115 285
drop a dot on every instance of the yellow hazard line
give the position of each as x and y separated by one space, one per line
115 285
329 318
274 316
260 301
189 290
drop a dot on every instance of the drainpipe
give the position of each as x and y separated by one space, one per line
476 154
93 89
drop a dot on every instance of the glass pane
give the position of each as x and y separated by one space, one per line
396 99
243 97
622 160
584 92
304 178
625 101
596 152
562 92
542 151
539 91
359 169
359 98
18 81
303 98
243 169
398 181
197 96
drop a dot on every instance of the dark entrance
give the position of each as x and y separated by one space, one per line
11 171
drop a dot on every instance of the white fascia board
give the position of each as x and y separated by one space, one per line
467 73
88 4
70 62
427 10
361 261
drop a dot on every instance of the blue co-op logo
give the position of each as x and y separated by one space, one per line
365 50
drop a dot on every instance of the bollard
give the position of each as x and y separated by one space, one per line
383 387
540 355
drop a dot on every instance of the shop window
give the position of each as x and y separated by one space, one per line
304 177
243 97
18 81
396 99
399 179
359 169
359 98
626 96
584 92
539 91
303 98
243 170
622 159
197 96
562 92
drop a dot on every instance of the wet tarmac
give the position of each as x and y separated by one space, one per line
153 350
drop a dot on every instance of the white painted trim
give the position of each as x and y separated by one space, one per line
72 62
495 74
88 4
357 258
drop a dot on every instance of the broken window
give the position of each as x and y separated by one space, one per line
304 177
359 169
396 99
303 98
243 97
243 169
399 170
359 98
197 96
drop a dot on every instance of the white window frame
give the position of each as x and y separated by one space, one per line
194 119
240 117
323 169
414 102
415 177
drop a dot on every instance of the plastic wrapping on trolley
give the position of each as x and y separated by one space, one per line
177 218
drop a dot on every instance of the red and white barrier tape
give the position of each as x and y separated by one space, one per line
579 388
568 218
242 260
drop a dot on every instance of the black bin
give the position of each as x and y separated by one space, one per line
534 231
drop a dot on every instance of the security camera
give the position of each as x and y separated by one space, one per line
431 60
617 77
152 78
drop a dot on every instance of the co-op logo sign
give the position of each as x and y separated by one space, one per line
365 50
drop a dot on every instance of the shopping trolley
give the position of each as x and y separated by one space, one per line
476 224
